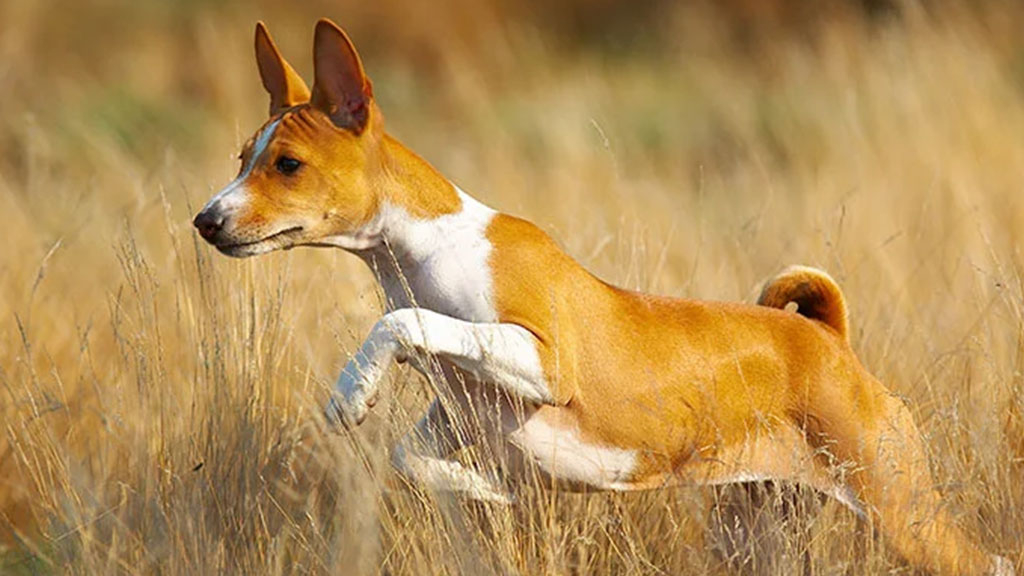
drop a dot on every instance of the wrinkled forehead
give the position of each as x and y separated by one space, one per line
297 124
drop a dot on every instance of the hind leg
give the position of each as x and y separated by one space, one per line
761 517
892 478
421 458
763 527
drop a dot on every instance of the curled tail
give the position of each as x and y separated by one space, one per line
815 293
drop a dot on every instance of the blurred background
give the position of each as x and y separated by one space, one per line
158 401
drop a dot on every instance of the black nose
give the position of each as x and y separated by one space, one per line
208 223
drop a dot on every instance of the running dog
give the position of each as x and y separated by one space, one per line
590 384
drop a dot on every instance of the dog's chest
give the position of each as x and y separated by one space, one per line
444 266
450 286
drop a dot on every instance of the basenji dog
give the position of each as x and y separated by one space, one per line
589 384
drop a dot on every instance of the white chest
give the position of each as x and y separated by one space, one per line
442 263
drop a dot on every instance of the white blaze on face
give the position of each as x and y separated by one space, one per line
234 195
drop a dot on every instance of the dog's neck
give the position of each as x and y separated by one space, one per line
410 182
430 243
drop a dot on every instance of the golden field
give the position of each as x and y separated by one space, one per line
160 402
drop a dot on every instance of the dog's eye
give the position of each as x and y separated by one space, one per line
287 165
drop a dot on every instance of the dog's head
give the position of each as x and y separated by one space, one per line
309 175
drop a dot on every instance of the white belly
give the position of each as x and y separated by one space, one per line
539 437
563 454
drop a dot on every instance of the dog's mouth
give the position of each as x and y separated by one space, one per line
275 241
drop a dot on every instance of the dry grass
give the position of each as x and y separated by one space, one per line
158 401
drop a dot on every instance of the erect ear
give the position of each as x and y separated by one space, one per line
285 86
340 88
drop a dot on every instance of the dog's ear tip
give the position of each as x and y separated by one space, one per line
261 30
327 26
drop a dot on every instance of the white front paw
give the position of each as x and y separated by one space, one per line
344 413
348 412
354 394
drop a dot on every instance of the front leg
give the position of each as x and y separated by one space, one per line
503 354
356 389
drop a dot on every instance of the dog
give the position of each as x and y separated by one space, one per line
594 386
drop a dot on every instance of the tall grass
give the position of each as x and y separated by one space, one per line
159 403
